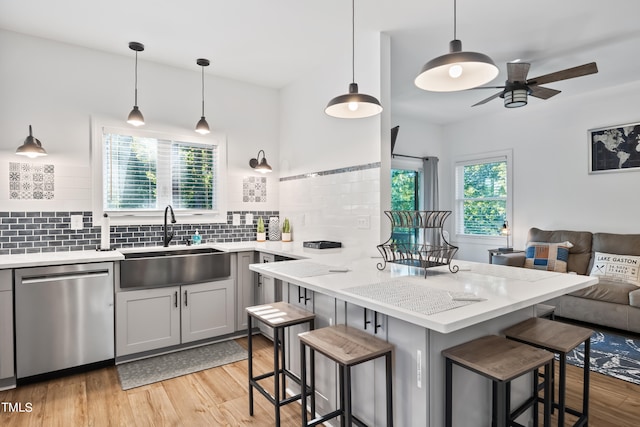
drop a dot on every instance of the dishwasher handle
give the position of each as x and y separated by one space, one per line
55 278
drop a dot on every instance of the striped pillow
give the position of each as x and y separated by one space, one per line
547 256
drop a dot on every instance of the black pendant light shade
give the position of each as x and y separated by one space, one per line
353 105
202 127
260 165
135 116
456 70
31 147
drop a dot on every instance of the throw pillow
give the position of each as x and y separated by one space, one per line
617 268
547 256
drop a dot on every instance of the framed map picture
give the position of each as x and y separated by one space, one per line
614 149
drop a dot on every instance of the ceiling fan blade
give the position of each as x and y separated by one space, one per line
569 73
484 101
517 71
543 92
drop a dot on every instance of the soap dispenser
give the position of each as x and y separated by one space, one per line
197 238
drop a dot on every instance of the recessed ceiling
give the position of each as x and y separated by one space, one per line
272 43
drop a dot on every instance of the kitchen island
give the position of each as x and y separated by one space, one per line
421 317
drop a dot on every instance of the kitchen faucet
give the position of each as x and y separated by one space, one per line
166 237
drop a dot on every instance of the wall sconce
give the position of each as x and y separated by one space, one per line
506 231
260 165
31 148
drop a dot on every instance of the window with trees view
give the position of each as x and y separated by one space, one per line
482 196
139 171
404 197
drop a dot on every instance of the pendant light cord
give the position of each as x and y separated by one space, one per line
353 41
202 90
454 20
135 96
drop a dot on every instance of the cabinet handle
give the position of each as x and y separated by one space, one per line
175 299
376 325
185 298
305 297
300 297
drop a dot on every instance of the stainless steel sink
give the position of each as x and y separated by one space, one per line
170 267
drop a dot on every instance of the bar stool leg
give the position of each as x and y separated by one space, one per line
284 364
585 380
250 364
276 380
347 386
562 383
548 400
389 390
448 412
342 396
303 384
535 394
312 370
502 415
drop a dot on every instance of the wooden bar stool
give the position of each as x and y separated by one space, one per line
347 347
277 315
500 360
559 338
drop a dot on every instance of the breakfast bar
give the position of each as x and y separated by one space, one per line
421 317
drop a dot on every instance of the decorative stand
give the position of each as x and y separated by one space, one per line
426 254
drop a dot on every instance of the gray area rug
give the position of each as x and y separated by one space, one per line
160 368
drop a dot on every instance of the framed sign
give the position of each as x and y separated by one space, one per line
614 149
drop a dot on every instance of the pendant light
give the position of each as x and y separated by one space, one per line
457 70
353 105
135 116
31 148
202 127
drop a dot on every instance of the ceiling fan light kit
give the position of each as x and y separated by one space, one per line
518 87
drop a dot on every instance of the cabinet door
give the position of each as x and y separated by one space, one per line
6 332
266 292
244 288
147 320
208 310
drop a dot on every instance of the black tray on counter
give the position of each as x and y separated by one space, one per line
321 244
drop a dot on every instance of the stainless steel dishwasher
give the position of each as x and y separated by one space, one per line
63 317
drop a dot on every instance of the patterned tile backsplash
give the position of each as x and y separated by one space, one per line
31 181
33 232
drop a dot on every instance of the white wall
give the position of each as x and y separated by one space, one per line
327 207
57 87
552 188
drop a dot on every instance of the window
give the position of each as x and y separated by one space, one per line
482 195
143 172
404 197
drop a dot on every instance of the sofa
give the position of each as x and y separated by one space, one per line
615 301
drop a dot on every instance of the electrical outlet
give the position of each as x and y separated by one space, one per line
248 219
76 222
236 219
363 222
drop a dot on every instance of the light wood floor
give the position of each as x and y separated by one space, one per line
219 397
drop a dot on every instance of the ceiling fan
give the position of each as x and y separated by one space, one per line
518 87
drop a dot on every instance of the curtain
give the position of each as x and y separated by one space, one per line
430 197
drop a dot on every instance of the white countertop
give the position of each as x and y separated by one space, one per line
57 258
503 289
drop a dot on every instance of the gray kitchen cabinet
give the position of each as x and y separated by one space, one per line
7 373
151 319
245 292
207 310
324 307
147 319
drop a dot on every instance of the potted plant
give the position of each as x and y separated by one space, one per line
261 235
286 230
